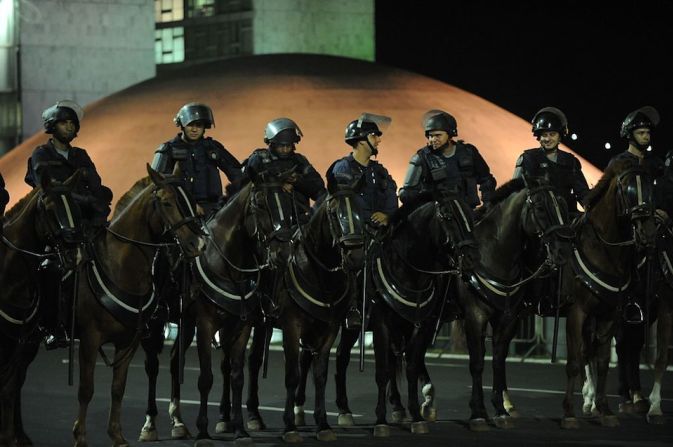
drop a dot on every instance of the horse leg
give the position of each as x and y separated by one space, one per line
343 357
320 367
204 335
475 328
22 439
574 342
224 424
629 340
503 332
414 355
88 352
186 335
237 377
428 410
152 347
604 329
255 359
291 350
123 357
664 326
383 367
8 402
589 390
305 359
399 413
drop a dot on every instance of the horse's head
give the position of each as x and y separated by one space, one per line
174 211
270 221
59 219
346 229
635 206
455 236
545 216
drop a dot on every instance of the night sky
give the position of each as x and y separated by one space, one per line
596 63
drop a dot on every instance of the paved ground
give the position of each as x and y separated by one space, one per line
50 408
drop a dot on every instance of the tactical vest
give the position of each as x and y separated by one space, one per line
200 167
560 173
456 172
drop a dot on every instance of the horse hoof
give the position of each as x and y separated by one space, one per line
479 424
570 424
609 421
641 407
204 443
503 422
399 417
255 425
148 435
292 437
180 431
223 427
326 435
419 428
244 441
429 413
345 420
626 407
381 431
655 419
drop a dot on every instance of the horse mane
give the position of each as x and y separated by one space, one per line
19 206
597 192
500 194
127 198
410 206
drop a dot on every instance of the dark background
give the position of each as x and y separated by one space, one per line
595 61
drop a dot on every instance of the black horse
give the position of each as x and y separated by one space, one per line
618 224
46 216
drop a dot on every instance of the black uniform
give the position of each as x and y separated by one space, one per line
200 162
264 165
565 174
376 189
430 170
4 196
94 197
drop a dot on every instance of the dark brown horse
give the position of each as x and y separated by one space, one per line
118 294
46 216
618 225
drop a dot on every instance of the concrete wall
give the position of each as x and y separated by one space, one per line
333 27
82 50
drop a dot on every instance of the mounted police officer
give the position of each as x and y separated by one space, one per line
280 157
376 190
562 168
59 160
445 164
4 198
637 128
200 157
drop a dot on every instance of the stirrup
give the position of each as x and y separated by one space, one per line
633 313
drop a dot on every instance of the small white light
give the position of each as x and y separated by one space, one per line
607 146
573 136
649 148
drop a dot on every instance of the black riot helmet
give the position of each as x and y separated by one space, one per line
62 111
550 119
367 124
439 120
194 111
282 132
644 117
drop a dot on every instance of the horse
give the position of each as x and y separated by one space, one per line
47 216
117 297
245 239
618 224
523 236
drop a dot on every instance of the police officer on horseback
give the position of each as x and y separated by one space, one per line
280 159
201 158
59 160
637 128
447 165
376 190
562 169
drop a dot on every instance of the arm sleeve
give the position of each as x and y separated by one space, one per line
485 179
163 161
391 202
412 180
228 164
518 169
310 183
580 186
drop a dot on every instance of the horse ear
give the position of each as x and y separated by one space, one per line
74 179
156 177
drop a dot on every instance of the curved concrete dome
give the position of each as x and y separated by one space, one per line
321 93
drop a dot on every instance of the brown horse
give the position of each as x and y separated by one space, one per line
112 304
618 225
46 216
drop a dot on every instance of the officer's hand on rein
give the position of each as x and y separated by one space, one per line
380 218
